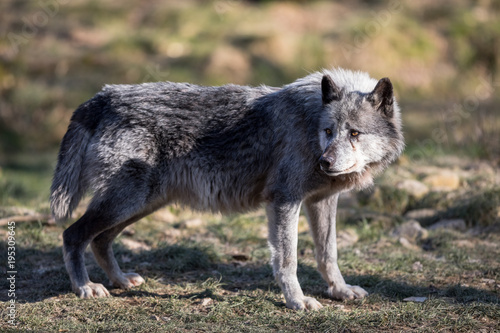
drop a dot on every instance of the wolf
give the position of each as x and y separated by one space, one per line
225 149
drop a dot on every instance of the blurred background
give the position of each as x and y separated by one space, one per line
442 56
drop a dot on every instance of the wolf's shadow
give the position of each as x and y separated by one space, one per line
41 275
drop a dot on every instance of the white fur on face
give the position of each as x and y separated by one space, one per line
346 163
345 156
353 155
372 149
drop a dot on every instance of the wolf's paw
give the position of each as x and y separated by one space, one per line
91 290
128 280
347 291
306 303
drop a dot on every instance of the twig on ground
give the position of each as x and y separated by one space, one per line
27 218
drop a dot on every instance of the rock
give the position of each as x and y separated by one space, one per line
464 243
413 187
128 231
192 223
134 245
206 301
455 224
172 233
406 243
410 230
488 281
346 238
445 180
175 49
421 214
415 299
164 215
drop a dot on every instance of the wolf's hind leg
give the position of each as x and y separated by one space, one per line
75 240
122 202
99 230
103 253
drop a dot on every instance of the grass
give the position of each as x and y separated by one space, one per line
213 275
199 287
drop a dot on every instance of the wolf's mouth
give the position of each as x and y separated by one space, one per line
336 173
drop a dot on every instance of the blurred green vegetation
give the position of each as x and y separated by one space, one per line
54 55
442 58
25 180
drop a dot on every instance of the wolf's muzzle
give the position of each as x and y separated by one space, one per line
326 162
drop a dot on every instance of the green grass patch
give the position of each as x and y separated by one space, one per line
198 286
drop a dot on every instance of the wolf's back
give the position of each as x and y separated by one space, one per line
67 187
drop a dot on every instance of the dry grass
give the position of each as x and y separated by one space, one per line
196 284
211 274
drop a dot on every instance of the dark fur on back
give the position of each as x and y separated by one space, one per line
217 148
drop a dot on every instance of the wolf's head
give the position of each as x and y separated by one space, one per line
359 130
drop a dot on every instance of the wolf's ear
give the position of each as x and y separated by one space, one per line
382 97
329 90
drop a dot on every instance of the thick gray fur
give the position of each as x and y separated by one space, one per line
225 149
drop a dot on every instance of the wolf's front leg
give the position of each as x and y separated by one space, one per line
283 220
321 212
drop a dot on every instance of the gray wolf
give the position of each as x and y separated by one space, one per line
225 149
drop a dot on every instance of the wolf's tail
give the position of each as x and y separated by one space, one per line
67 186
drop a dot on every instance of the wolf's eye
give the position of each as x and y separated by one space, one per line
354 133
328 131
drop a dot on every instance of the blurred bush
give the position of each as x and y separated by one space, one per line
441 56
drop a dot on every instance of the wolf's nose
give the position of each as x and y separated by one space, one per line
326 162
